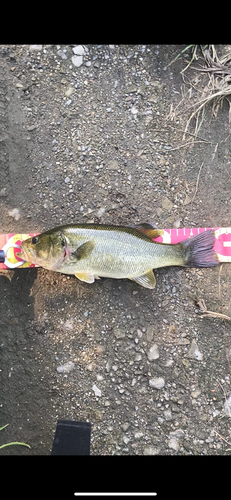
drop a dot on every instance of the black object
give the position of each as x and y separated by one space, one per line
72 438
2 256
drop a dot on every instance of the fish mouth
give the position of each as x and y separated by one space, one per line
21 255
25 254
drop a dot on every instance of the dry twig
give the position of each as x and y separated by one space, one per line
219 282
210 314
198 177
223 439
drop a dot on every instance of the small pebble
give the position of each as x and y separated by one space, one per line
153 352
227 407
66 368
62 54
194 352
178 433
35 48
96 390
157 383
69 91
166 203
138 435
138 357
176 223
151 450
174 443
101 211
15 213
134 110
126 439
77 61
125 426
79 50
119 334
195 393
168 415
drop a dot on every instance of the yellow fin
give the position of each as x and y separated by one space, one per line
88 278
149 230
152 233
147 280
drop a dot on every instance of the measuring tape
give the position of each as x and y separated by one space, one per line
222 245
10 243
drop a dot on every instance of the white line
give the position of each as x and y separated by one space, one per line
226 243
112 494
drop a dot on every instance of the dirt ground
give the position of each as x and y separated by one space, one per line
91 143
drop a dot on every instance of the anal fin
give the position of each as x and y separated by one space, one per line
88 278
147 280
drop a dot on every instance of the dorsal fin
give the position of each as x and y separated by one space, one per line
148 229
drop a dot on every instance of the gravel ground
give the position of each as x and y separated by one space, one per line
84 138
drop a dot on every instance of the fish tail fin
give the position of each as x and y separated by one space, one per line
199 250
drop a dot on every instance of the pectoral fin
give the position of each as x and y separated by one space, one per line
147 280
148 229
88 278
84 250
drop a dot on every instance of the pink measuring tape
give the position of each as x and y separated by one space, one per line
9 243
222 245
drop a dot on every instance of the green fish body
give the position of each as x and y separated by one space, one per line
90 251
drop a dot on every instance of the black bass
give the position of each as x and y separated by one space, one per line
91 251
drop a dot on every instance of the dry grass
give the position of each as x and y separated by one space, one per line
207 88
210 314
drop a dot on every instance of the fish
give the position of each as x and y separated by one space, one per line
92 251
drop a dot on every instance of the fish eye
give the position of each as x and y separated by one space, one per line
35 240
